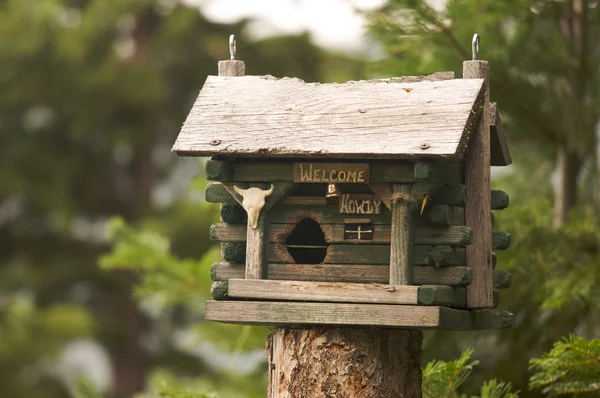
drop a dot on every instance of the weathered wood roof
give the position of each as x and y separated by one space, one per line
394 118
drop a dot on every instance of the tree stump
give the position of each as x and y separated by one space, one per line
344 363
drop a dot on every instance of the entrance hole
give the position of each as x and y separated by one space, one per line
306 244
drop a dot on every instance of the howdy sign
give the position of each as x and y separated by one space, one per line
359 204
338 173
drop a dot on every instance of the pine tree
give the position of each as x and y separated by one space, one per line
536 69
571 367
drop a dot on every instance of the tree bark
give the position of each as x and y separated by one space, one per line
344 363
568 166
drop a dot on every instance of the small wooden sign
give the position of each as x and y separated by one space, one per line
359 204
334 173
359 231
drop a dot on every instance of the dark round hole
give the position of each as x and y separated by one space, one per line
306 244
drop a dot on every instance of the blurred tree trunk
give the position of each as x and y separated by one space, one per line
568 162
596 180
344 362
565 189
127 354
129 359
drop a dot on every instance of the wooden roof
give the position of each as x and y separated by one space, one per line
269 117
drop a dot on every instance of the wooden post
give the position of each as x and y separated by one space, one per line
255 237
477 209
232 68
255 249
344 362
401 236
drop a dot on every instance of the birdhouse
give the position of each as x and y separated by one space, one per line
362 203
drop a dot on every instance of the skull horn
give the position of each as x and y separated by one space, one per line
270 191
240 191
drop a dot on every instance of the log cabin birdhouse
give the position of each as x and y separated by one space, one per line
363 203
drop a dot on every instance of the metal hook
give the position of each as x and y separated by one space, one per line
475 46
232 46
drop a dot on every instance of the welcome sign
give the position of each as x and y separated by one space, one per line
332 173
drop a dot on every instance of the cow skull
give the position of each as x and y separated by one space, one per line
254 201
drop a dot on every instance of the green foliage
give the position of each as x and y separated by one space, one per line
571 367
166 281
544 94
84 388
444 379
545 83
173 280
92 96
31 337
497 389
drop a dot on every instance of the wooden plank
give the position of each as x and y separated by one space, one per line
215 192
379 172
340 292
499 200
334 234
438 172
352 273
475 320
365 254
291 214
501 240
337 254
323 291
284 313
383 192
355 254
442 215
442 255
331 173
477 210
278 171
234 214
502 279
379 315
218 290
305 200
257 115
231 67
499 151
451 194
402 236
422 193
218 170
491 319
442 295
284 212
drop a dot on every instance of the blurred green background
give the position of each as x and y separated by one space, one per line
104 249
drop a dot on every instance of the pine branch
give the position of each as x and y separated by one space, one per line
571 367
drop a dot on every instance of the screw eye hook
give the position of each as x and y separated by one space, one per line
475 46
232 48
